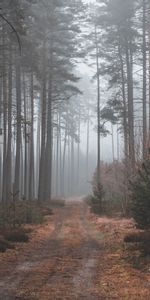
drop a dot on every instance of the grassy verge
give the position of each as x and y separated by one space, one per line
122 271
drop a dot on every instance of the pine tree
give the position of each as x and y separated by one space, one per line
140 195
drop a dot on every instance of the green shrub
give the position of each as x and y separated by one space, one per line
33 215
96 199
137 237
17 213
16 236
142 239
4 245
140 196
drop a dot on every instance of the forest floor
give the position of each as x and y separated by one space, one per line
75 255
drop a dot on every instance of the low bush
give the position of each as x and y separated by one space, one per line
97 198
142 239
18 235
137 237
140 195
95 205
33 214
4 245
17 213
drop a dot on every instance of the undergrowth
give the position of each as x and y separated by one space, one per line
4 245
17 213
141 240
17 235
13 216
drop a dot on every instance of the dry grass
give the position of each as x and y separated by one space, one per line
119 272
122 273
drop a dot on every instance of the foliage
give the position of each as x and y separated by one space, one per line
33 214
96 199
4 245
140 195
17 235
142 240
107 114
16 213
114 200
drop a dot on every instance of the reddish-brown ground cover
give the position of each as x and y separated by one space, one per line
123 272
75 255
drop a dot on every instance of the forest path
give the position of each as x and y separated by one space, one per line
60 264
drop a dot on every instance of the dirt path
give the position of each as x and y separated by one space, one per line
60 265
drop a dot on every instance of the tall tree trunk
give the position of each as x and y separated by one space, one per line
60 155
87 144
18 136
43 137
125 124
38 136
69 166
9 148
63 163
78 150
129 64
112 140
98 109
118 144
72 167
31 164
57 156
1 139
144 81
25 140
48 166
149 64
4 121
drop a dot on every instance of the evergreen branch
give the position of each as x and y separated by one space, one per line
14 30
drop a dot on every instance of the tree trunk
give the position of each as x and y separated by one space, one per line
18 136
25 141
98 109
144 81
31 160
130 105
4 122
87 144
149 66
43 136
48 166
125 124
8 156
72 167
63 162
113 146
78 151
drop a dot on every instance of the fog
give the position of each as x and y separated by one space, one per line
71 94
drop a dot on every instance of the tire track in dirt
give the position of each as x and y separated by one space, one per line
21 272
84 279
62 266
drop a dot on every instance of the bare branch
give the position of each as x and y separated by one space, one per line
14 30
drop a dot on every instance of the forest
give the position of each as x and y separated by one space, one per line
74 149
